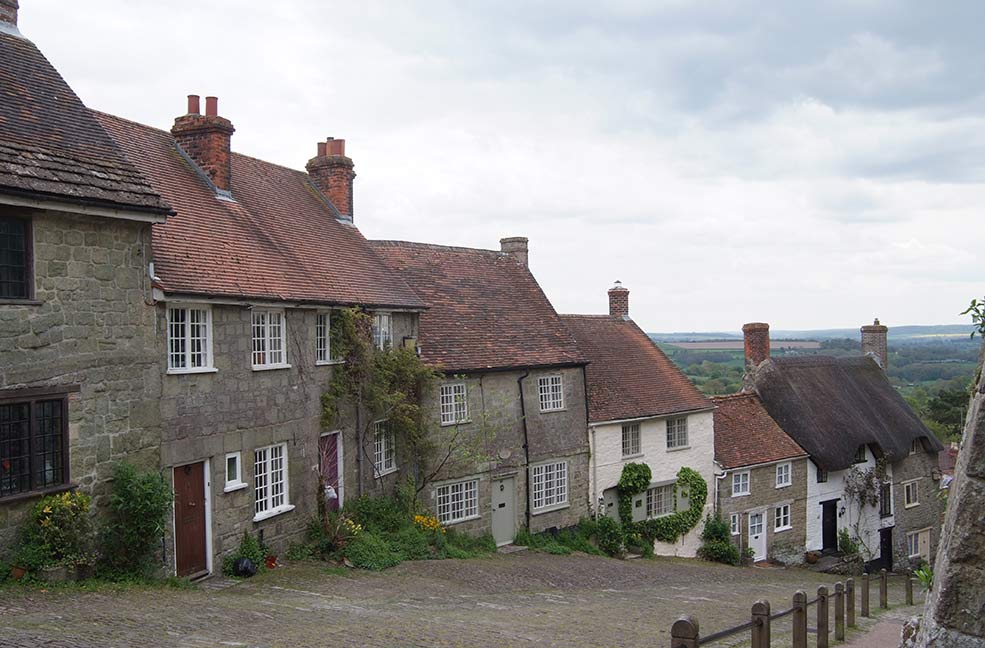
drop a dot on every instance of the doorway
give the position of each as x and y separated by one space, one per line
886 548
330 469
191 545
829 526
503 502
757 535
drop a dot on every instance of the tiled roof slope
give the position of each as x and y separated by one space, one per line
831 406
746 435
628 375
485 309
51 147
277 241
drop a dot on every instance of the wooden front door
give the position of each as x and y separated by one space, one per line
330 469
189 520
829 526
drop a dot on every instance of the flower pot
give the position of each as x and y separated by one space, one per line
54 575
17 573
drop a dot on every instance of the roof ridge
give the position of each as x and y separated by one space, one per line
594 316
433 246
736 396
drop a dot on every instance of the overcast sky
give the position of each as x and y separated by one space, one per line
729 162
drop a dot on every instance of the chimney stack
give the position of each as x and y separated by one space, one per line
875 342
756 340
8 12
619 301
331 171
206 139
516 246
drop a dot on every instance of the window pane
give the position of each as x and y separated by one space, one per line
259 338
232 469
13 258
15 461
276 337
48 443
176 338
321 338
198 338
260 480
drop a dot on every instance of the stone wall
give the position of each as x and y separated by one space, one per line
784 546
928 514
89 329
954 615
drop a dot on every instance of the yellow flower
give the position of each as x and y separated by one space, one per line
46 509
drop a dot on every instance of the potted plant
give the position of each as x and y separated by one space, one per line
29 557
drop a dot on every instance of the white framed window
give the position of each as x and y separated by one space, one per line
323 338
382 331
911 494
781 518
270 481
384 449
234 473
189 339
915 446
783 475
740 483
549 485
756 523
677 433
454 404
913 545
457 502
269 339
631 440
734 524
551 391
660 501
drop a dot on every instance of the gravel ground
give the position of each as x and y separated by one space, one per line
522 599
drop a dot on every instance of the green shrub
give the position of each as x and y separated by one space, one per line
523 538
718 551
367 551
32 555
299 551
635 479
580 537
411 543
4 572
249 547
62 523
610 536
378 514
138 506
716 529
476 545
846 544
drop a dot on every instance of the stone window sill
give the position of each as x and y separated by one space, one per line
199 370
266 515
20 302
328 363
272 367
782 529
550 509
41 492
233 487
679 448
741 494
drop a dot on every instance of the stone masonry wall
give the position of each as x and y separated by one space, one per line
784 546
954 616
92 328
927 514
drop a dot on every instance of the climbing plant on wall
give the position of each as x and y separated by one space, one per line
690 485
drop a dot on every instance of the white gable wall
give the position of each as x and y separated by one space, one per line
607 464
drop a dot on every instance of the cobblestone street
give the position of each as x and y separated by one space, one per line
524 599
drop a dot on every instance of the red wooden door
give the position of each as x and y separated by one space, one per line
328 453
189 519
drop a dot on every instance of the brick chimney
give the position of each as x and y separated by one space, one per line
756 339
332 173
517 246
875 342
205 138
8 12
619 301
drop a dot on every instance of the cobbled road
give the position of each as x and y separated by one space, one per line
521 599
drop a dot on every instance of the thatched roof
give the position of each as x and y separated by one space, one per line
831 406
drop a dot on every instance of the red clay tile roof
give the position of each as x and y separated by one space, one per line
628 375
278 240
485 309
746 435
50 145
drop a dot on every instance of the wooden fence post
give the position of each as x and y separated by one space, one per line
822 617
761 624
909 590
800 620
883 590
850 601
839 611
865 595
684 633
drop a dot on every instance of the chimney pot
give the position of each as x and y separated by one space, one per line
756 341
875 342
517 247
206 140
194 107
212 106
8 12
619 301
331 171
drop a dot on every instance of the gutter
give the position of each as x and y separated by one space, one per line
32 200
526 446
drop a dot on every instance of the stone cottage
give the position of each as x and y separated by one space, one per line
247 275
642 409
513 374
857 429
79 377
762 489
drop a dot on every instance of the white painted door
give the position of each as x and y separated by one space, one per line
923 540
757 535
503 503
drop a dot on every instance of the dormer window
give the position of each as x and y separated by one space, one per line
915 446
860 455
